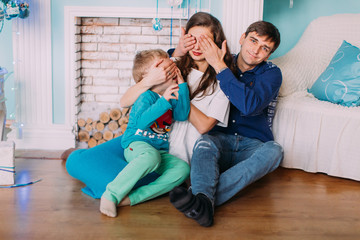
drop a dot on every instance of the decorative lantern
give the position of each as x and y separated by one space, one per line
174 3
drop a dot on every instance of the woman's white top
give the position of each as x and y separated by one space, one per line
183 135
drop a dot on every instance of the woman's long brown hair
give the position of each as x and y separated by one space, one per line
185 63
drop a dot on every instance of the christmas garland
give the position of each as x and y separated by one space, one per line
13 9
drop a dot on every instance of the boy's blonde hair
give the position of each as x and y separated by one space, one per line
143 60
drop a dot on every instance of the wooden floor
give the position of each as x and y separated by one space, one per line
286 204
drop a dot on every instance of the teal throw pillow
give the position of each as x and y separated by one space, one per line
340 82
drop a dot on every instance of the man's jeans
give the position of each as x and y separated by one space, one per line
224 164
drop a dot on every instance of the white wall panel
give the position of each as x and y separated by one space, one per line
33 82
237 16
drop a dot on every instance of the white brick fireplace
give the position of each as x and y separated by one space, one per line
100 47
105 48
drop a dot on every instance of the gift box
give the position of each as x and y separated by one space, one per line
7 163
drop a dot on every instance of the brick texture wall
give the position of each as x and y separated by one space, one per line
105 51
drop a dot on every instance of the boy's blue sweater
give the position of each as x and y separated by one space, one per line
147 109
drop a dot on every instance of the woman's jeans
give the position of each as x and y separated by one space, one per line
224 164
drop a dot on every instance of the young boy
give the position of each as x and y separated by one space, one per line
146 138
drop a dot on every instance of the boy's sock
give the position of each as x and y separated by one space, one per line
197 207
108 207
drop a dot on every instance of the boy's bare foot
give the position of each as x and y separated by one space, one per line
108 207
125 202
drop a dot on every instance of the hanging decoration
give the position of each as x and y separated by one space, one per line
173 3
2 17
24 11
188 9
13 9
171 26
157 26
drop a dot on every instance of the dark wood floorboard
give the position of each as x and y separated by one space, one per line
286 204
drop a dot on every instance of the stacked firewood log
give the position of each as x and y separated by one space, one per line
109 125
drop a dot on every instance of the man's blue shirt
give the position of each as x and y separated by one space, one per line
250 94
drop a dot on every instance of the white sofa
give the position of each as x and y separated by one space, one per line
317 136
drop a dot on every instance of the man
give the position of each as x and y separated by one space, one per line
226 160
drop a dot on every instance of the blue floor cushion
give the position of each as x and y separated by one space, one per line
98 166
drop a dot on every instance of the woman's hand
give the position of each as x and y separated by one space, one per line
212 53
172 92
186 43
160 72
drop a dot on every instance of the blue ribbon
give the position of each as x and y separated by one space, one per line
20 185
6 170
171 25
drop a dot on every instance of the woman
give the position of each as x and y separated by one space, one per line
209 106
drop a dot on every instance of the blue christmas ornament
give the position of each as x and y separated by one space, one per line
2 16
24 11
11 10
157 26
